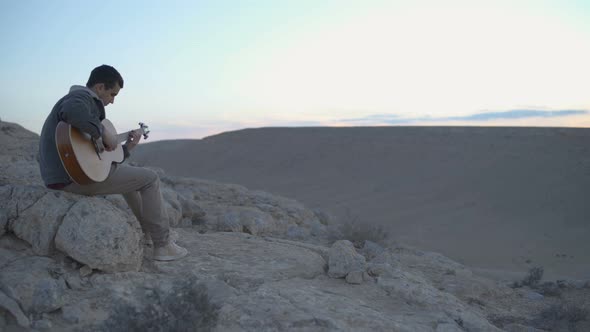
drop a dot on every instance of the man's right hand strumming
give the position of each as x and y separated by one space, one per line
109 139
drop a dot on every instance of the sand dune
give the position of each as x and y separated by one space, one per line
498 199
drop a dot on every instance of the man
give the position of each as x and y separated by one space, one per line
83 108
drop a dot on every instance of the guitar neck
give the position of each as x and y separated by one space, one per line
122 137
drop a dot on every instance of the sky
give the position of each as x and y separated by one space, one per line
198 68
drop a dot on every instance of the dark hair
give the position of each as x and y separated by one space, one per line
105 74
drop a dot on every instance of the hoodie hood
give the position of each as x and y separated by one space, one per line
76 88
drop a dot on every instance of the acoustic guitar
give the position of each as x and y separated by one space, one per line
80 154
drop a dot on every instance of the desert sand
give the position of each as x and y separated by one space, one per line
498 199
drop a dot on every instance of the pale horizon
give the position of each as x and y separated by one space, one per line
195 69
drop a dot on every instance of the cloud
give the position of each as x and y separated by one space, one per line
518 114
393 119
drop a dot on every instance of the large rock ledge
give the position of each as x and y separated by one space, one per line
231 281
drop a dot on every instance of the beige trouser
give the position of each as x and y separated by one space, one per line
141 189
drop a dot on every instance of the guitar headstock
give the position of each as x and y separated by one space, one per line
144 130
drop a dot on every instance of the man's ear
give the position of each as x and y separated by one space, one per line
99 87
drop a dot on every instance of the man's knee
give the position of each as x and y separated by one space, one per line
151 176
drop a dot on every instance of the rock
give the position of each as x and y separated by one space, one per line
318 249
324 217
418 291
355 277
74 282
244 261
190 209
16 246
380 269
42 324
172 206
322 304
318 229
295 232
19 198
11 306
343 259
19 171
247 220
39 223
7 256
85 271
101 236
30 283
534 296
371 250
229 222
48 295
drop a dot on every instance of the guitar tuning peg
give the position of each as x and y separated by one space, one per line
141 124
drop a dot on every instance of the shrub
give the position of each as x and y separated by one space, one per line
185 306
531 279
352 229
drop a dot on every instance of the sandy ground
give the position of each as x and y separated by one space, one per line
500 200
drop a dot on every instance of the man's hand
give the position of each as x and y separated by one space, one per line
109 139
132 139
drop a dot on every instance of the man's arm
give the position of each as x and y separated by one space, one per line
132 139
78 112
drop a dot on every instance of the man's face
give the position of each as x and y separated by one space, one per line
107 95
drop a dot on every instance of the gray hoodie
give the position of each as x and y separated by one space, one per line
81 108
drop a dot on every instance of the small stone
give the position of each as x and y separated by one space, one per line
343 259
295 232
47 296
534 296
371 250
380 270
355 277
74 282
85 271
42 324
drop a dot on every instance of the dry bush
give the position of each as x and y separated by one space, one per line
532 278
185 307
353 229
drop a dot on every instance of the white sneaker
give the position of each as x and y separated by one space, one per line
169 252
147 238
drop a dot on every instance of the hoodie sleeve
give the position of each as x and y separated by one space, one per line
81 111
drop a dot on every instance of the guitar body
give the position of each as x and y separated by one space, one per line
79 157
